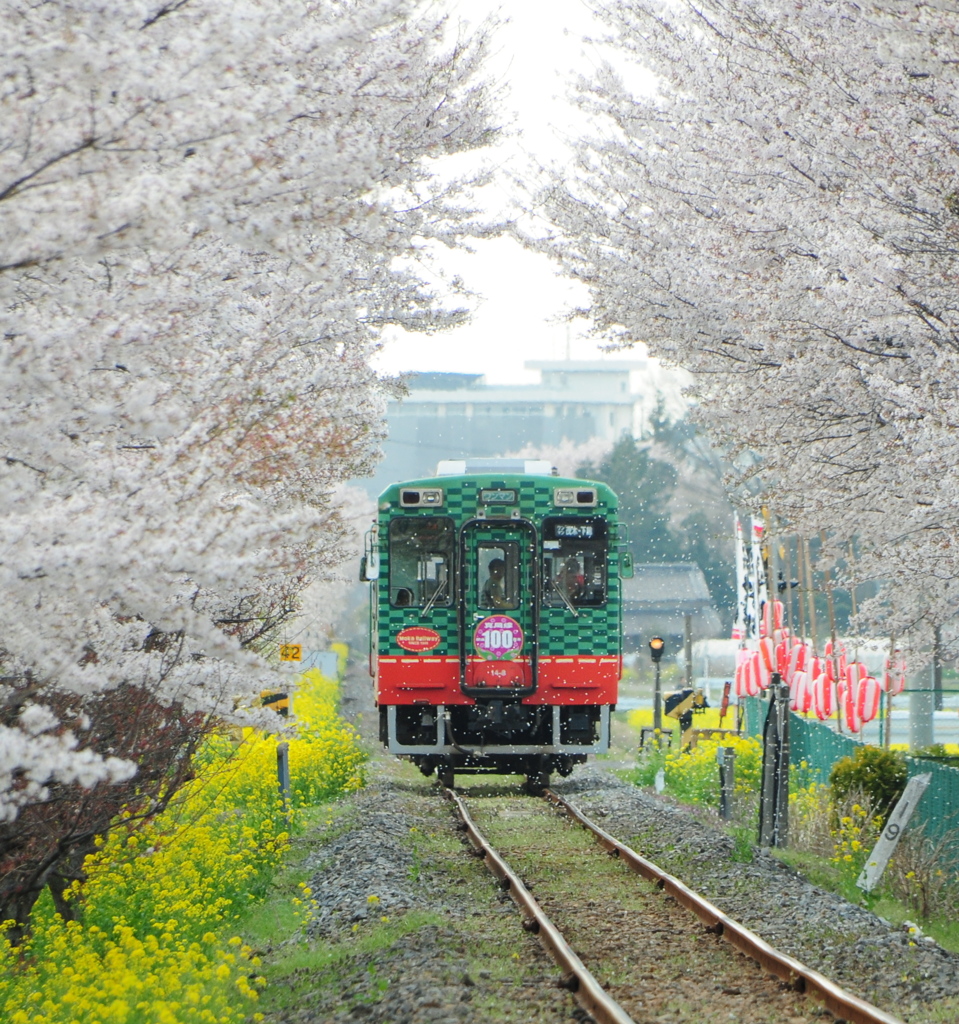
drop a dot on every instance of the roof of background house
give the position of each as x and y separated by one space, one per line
667 584
659 597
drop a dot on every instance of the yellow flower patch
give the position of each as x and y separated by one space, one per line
152 942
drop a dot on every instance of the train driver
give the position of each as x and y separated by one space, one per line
494 589
570 579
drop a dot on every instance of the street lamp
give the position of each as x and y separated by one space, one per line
656 646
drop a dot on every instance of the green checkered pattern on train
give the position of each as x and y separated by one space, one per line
392 620
596 631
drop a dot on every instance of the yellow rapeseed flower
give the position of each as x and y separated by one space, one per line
153 945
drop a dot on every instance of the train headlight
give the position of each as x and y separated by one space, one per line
422 497
575 497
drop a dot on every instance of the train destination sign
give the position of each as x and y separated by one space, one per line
579 528
498 636
497 496
578 531
418 639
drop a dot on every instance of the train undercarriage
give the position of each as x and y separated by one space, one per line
496 736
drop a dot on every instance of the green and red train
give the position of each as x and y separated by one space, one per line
496 618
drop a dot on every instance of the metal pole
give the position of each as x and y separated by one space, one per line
688 649
657 703
801 577
727 761
789 589
810 595
830 604
774 790
883 729
781 836
772 572
283 772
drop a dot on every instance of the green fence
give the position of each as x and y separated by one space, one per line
821 748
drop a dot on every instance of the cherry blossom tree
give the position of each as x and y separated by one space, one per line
779 215
47 844
208 212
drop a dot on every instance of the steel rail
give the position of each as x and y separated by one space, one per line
838 1001
585 988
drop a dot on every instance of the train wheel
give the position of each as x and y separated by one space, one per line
536 782
446 776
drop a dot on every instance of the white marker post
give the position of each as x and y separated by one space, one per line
889 840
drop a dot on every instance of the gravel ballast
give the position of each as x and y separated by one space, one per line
400 859
382 866
845 942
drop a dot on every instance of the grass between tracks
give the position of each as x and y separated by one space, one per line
652 955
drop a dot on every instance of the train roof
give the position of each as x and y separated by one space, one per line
453 474
511 467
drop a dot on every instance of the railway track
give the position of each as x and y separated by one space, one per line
634 943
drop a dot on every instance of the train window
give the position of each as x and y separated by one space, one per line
497 578
574 561
421 559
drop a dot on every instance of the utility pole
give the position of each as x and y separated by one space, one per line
922 704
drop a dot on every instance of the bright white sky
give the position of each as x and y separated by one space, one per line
521 296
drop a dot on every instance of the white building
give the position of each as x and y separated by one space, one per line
457 415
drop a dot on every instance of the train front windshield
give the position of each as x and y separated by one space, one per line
421 557
574 561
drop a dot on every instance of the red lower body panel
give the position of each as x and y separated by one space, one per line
577 680
424 679
419 679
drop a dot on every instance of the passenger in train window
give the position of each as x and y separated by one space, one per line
570 579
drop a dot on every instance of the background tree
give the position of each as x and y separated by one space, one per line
645 487
671 499
779 217
208 213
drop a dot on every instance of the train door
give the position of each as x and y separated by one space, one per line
498 642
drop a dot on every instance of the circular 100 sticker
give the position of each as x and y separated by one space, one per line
498 636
